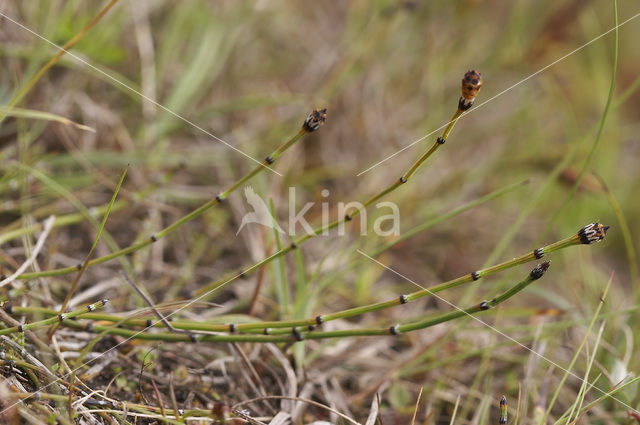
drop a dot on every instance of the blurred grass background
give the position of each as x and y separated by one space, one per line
389 73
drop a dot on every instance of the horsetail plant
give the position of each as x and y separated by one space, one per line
59 318
589 234
312 123
77 217
295 334
471 84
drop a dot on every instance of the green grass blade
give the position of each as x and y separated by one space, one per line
76 282
577 354
603 120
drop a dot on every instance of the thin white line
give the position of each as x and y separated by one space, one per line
494 329
138 93
501 93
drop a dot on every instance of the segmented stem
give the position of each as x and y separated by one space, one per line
317 117
465 102
295 334
296 327
60 318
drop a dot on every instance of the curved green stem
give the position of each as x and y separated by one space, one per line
60 318
272 327
441 140
483 306
296 335
178 223
218 284
265 164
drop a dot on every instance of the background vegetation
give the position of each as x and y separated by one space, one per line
389 73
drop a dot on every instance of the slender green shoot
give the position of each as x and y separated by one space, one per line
76 282
312 123
589 234
60 318
471 84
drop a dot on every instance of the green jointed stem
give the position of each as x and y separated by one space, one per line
406 175
213 286
265 164
436 145
192 215
377 197
299 335
76 282
52 320
573 240
485 305
255 327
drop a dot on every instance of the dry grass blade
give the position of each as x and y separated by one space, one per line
237 406
415 410
42 115
281 418
34 254
374 410
150 303
455 410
